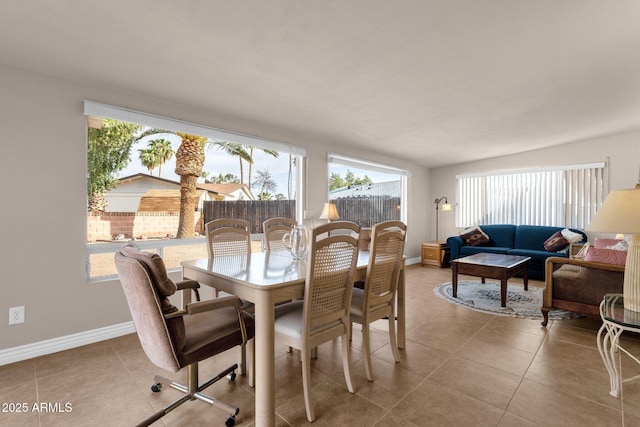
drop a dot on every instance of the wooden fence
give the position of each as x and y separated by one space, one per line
254 211
367 211
364 211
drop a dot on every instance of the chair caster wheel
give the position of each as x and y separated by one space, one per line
230 421
156 387
232 377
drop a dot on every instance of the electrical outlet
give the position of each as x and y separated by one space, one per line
16 315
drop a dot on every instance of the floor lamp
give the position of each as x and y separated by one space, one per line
445 207
620 213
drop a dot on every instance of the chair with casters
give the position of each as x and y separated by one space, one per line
375 298
323 315
274 230
175 338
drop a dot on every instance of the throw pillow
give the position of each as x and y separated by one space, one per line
556 242
571 236
474 236
606 256
618 244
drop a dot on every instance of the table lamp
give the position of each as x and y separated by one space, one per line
445 207
330 212
620 213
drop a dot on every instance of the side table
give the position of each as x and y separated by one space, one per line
616 320
435 254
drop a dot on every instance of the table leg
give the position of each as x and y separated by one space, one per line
401 311
607 339
525 277
503 292
265 364
454 279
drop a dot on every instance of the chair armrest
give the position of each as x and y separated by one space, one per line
214 304
553 263
217 303
187 285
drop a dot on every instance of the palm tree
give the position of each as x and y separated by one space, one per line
162 150
189 164
266 151
149 159
238 150
266 183
228 178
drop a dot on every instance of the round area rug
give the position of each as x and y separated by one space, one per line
485 297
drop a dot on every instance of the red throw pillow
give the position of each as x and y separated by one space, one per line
556 242
474 236
606 256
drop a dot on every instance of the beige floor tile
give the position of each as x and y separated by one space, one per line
432 404
498 356
18 402
482 382
548 406
17 373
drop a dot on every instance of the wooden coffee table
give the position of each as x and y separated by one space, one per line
493 266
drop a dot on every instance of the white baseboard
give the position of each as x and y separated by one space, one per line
410 261
29 351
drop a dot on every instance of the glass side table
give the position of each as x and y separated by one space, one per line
616 320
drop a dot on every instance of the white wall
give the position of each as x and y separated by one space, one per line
622 151
44 152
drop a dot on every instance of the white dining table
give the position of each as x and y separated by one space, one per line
265 281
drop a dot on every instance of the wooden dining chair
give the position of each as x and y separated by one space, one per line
376 299
228 236
231 238
274 230
323 315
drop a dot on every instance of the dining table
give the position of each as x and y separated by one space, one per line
266 280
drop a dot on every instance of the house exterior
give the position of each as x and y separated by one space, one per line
146 193
230 191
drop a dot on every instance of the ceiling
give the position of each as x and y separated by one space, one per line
435 82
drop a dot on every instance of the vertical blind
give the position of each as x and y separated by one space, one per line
564 196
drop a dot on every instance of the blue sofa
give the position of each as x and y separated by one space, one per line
524 240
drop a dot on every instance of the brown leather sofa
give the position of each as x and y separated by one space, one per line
577 285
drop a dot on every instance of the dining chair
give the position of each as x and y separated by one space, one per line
228 236
376 299
323 314
174 339
231 238
273 230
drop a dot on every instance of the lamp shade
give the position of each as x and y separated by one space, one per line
447 207
619 213
330 212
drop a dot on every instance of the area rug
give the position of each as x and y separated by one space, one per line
485 298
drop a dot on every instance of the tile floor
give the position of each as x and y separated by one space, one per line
460 368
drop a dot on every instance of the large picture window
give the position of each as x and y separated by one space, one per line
144 169
365 192
566 196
